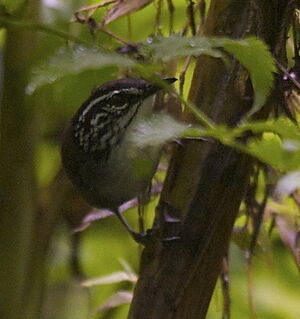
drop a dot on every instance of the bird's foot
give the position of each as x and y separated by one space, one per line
144 238
140 238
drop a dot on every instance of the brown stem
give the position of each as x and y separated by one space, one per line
206 181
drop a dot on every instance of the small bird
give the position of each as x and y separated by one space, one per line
98 154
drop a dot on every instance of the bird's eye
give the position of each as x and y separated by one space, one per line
122 99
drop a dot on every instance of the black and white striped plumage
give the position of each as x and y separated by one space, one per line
100 122
97 153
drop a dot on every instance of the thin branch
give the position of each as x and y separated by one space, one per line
183 73
106 31
258 218
157 23
200 116
129 26
295 35
250 289
191 17
94 6
42 28
225 288
171 9
287 74
101 27
202 7
189 58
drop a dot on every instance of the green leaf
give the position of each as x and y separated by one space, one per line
278 143
272 150
178 46
251 52
71 62
254 55
11 5
281 126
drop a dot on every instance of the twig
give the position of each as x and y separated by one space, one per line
201 116
93 7
287 74
258 218
191 17
250 289
225 288
202 7
43 28
183 73
189 58
158 16
171 9
126 42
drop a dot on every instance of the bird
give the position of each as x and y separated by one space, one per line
98 155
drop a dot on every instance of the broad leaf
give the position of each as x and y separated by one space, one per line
285 128
254 55
178 46
71 62
251 52
277 144
271 150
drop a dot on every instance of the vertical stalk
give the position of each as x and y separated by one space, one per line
206 181
17 173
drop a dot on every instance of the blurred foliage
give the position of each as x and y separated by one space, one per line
11 5
73 59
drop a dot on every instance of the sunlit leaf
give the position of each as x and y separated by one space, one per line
271 151
279 146
282 208
284 127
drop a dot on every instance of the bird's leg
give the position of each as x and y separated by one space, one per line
140 238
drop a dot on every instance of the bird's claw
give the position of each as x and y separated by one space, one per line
140 238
